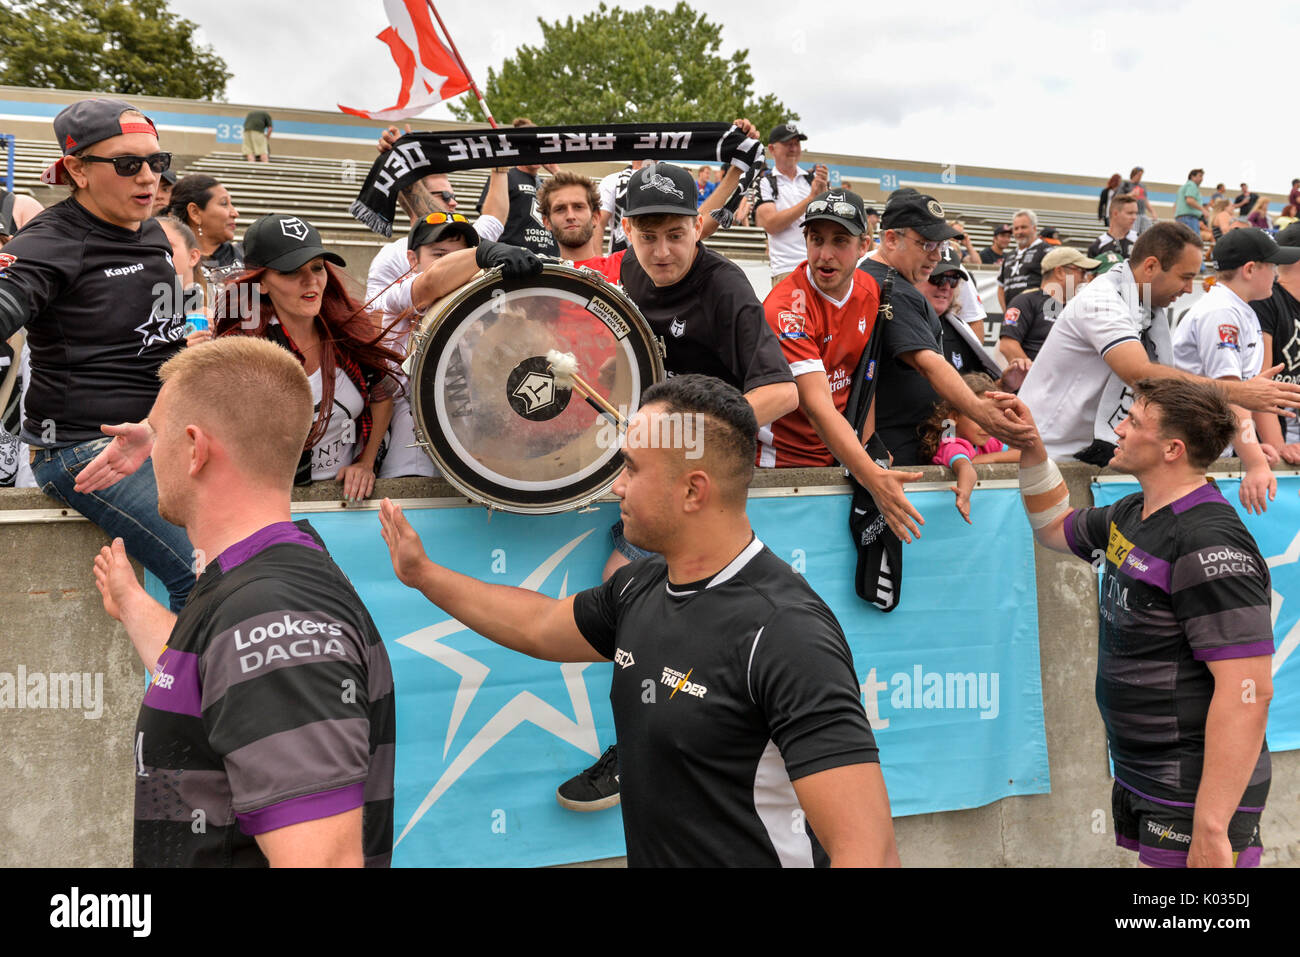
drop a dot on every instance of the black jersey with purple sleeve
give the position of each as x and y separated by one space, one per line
1181 588
724 692
272 704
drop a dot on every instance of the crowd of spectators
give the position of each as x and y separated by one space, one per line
323 324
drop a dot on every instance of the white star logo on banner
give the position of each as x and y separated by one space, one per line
578 730
1292 639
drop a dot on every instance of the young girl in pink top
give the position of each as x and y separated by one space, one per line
957 441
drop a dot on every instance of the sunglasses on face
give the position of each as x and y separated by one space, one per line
941 281
446 195
130 165
437 219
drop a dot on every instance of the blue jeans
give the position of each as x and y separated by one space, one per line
1192 222
127 510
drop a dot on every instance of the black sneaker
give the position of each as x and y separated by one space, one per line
595 788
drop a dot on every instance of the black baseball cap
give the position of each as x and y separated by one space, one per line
1004 228
920 212
838 206
284 243
449 224
786 131
871 211
1289 236
1237 247
87 122
661 188
948 262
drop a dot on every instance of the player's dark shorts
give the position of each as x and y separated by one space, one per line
1162 833
623 546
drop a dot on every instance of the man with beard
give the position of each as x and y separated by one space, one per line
570 206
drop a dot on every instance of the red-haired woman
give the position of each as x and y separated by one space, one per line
291 295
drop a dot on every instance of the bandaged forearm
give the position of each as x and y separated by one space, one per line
1045 493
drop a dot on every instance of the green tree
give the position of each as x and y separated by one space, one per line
626 66
107 46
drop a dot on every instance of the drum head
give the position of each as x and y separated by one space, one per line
485 402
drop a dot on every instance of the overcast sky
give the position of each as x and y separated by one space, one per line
1090 87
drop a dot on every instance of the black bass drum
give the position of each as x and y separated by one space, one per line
486 406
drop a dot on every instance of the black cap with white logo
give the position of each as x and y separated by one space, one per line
840 206
919 212
949 261
786 131
661 188
1237 247
284 243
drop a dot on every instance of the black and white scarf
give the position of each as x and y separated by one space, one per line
417 155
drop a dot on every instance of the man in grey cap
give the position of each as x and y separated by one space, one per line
783 196
1030 315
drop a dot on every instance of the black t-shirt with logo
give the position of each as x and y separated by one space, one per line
1123 245
710 320
724 692
990 256
1029 319
904 397
523 226
1279 317
1022 268
105 313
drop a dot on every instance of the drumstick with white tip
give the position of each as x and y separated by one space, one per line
564 365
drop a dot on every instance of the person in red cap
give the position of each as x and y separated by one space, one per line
81 278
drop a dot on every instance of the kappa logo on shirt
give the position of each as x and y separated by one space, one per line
124 270
1228 338
681 682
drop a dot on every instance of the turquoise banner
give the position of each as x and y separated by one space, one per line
1277 533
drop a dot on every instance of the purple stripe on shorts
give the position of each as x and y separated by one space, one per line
1252 650
277 533
1147 568
175 685
1128 843
309 807
1250 857
1209 492
1127 787
1162 857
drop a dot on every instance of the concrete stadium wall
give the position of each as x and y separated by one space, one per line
66 788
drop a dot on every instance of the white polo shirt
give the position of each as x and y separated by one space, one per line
1220 336
787 248
1066 381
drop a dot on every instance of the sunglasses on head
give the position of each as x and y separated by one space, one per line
437 219
949 281
130 165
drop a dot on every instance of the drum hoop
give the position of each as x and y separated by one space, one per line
423 338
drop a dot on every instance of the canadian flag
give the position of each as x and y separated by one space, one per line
430 73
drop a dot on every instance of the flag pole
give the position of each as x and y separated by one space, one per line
463 65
